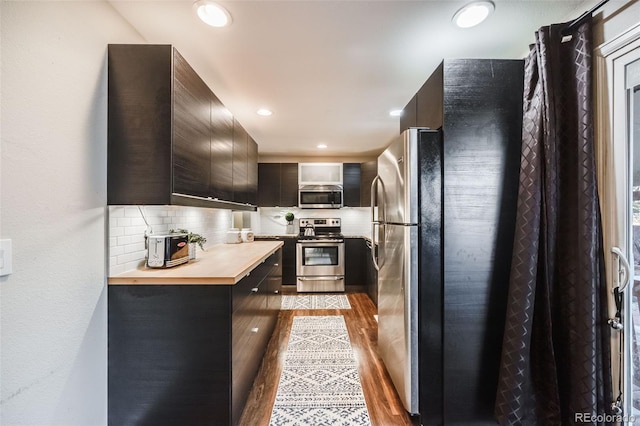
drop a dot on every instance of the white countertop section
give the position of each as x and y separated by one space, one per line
222 264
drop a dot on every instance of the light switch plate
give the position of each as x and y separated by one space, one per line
5 257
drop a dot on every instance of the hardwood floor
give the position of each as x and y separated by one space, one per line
385 408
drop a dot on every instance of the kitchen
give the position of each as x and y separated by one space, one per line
54 126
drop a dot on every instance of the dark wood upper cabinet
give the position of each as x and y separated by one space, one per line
139 126
252 171
368 171
277 184
221 150
425 109
268 184
170 139
408 118
191 130
240 167
351 184
289 184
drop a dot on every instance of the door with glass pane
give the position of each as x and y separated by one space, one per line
632 338
632 299
625 267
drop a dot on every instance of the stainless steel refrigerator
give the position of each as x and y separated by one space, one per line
395 230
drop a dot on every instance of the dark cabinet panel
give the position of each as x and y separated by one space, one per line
188 354
184 327
468 221
289 261
240 163
368 172
289 184
139 125
354 260
430 101
372 273
277 184
252 171
408 118
221 151
351 184
268 184
191 134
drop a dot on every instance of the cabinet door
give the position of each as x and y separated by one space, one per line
351 182
289 261
354 262
191 136
221 184
268 184
408 116
240 157
139 124
252 171
372 273
368 172
288 184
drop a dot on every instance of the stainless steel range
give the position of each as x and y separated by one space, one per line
320 256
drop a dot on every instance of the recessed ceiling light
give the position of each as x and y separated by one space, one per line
395 113
212 13
322 146
264 112
473 14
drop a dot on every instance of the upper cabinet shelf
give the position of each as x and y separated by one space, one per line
170 139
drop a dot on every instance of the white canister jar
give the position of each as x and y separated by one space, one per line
247 235
233 236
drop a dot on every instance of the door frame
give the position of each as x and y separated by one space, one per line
612 147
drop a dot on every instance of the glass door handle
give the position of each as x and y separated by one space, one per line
624 273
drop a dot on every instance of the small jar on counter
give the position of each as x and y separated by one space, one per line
247 235
233 236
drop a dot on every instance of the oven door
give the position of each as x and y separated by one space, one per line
320 258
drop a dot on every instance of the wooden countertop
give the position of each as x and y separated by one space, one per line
222 264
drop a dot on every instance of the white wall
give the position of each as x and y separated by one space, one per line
53 113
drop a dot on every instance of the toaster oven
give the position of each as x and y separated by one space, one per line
165 251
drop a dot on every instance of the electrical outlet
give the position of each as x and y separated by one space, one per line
5 257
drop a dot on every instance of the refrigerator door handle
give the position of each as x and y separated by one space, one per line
381 218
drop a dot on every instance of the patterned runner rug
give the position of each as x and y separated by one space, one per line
316 301
319 384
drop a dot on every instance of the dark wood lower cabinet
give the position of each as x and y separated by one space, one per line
288 257
188 354
372 273
355 273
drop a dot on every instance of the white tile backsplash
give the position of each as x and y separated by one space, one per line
355 220
127 228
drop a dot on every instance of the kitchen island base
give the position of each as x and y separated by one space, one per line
188 354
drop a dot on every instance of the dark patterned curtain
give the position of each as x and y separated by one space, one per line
555 367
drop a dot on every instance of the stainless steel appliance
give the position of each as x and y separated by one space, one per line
165 251
395 229
320 256
320 196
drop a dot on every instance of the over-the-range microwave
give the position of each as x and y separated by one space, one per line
320 196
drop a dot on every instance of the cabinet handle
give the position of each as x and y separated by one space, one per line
276 292
254 290
255 329
275 264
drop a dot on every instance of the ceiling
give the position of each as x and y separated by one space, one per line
332 70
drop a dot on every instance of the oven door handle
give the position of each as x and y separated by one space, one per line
319 241
321 279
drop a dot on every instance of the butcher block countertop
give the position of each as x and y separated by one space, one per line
221 264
